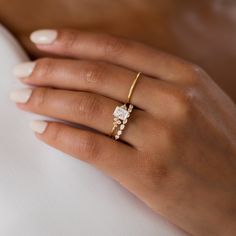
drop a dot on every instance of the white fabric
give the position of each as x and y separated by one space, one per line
44 192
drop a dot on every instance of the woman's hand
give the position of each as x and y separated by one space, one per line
177 152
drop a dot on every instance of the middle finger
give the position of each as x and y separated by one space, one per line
97 77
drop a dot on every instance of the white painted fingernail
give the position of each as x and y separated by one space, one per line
21 95
46 36
24 69
38 126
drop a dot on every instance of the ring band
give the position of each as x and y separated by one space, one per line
122 113
131 90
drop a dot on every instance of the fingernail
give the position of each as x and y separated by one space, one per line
43 36
24 69
21 95
38 126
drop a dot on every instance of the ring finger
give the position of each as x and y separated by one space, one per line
83 108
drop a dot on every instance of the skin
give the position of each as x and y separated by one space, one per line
177 153
202 32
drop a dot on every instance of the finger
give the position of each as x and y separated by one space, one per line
100 78
101 151
120 51
84 108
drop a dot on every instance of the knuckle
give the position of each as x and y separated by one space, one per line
157 173
44 67
196 69
154 170
86 105
184 103
196 74
40 97
68 39
112 46
89 148
94 73
56 132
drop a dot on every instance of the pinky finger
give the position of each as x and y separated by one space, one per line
112 157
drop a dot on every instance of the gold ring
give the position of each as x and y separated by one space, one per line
122 113
131 90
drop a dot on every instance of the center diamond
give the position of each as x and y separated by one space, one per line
121 113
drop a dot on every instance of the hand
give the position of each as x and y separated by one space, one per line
177 152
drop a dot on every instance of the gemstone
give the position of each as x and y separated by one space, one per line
121 113
117 137
122 126
130 107
119 132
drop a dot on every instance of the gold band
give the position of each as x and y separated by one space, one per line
133 86
113 129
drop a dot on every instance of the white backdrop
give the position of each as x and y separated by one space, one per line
46 193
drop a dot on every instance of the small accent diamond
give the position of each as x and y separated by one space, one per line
122 126
119 132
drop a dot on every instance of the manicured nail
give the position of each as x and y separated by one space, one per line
24 69
21 95
43 36
38 126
